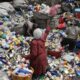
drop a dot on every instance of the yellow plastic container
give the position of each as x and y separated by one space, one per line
17 77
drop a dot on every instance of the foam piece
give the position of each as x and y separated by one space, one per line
77 10
78 73
68 57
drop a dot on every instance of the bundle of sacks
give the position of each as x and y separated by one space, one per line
5 8
20 3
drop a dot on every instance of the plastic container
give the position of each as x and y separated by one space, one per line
17 77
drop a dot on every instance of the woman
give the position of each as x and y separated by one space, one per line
38 55
72 34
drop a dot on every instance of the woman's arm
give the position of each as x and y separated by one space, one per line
33 51
48 28
45 34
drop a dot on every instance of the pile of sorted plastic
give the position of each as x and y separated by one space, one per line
67 65
11 43
64 68
12 46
